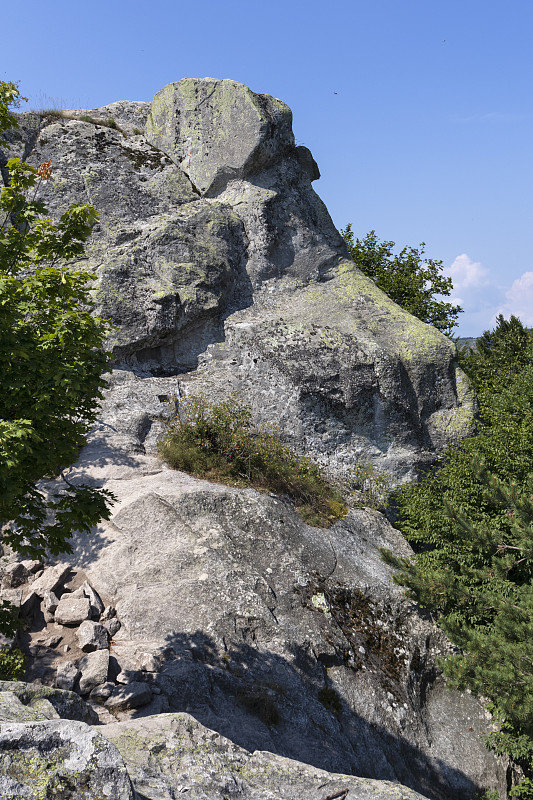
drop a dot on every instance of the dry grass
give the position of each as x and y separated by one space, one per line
217 441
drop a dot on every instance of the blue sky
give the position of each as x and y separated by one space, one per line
418 112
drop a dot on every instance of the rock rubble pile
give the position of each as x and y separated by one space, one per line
67 636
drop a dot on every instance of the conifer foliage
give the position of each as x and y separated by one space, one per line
471 519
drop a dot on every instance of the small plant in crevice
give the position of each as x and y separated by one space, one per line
217 441
259 703
369 487
375 635
55 113
330 699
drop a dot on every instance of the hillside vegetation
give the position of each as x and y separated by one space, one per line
471 518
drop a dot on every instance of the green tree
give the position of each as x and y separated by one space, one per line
51 361
414 282
498 355
472 520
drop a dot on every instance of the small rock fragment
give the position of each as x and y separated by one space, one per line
129 676
66 675
94 598
28 604
12 596
100 693
32 565
112 626
108 613
50 601
72 610
93 668
92 636
134 695
15 575
53 640
148 662
50 579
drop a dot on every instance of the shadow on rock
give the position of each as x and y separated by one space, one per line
261 701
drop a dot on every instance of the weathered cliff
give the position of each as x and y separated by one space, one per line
222 270
217 262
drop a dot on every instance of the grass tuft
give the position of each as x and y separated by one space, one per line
57 113
217 441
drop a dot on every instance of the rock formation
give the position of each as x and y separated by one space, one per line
219 264
223 271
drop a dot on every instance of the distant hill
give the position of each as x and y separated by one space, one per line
466 341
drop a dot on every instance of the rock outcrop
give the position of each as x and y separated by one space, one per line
42 755
222 270
219 263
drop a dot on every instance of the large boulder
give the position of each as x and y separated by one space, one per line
196 121
174 753
62 759
43 755
42 702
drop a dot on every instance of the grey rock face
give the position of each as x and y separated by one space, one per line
279 636
133 695
112 626
14 575
50 602
60 759
173 754
13 710
97 606
100 693
226 273
94 668
92 636
164 755
196 121
72 610
217 261
66 675
64 704
50 579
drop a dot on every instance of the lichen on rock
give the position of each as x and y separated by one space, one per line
222 271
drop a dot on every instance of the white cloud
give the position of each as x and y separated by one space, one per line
467 274
483 298
519 299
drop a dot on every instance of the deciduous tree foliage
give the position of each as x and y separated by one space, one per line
472 516
51 360
414 282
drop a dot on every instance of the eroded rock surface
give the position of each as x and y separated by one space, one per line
222 270
62 759
217 261
156 758
279 636
173 753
